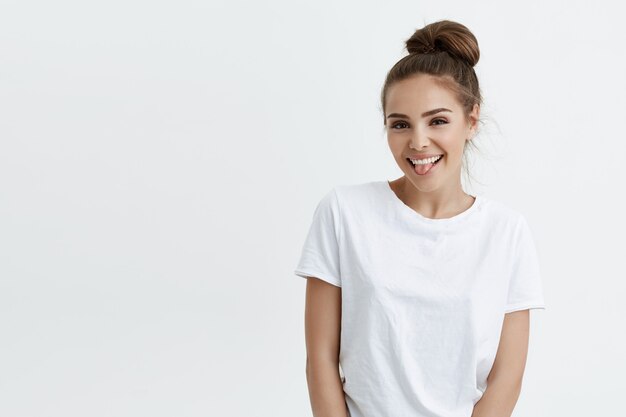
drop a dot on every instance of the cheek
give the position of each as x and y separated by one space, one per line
453 146
396 146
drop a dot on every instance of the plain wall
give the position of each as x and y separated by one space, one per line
160 163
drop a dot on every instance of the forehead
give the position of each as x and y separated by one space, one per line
419 93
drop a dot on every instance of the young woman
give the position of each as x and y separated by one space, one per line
418 297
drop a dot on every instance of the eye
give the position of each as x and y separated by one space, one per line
395 125
440 120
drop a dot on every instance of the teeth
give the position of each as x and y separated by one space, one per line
425 161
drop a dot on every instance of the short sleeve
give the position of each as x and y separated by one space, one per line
320 253
525 287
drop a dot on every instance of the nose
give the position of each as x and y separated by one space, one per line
419 140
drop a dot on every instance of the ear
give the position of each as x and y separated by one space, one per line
474 117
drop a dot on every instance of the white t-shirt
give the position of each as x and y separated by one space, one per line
423 300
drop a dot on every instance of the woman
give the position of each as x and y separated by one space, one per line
419 293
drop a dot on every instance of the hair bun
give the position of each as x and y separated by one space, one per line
445 36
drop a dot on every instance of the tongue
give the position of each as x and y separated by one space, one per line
423 169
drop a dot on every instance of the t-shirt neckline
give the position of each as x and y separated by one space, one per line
435 222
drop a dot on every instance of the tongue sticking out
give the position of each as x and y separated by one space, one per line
423 169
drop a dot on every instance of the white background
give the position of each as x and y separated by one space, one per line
160 163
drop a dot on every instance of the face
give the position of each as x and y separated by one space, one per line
425 119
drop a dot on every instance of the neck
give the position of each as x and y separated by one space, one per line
438 204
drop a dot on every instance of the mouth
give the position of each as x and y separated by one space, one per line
423 169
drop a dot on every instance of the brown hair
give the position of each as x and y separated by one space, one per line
447 50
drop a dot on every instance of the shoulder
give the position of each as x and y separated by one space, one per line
357 193
507 227
501 215
350 200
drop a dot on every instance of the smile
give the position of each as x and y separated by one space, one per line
424 166
432 160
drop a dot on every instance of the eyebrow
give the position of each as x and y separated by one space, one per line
425 114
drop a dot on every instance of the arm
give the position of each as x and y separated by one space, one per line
322 334
504 382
